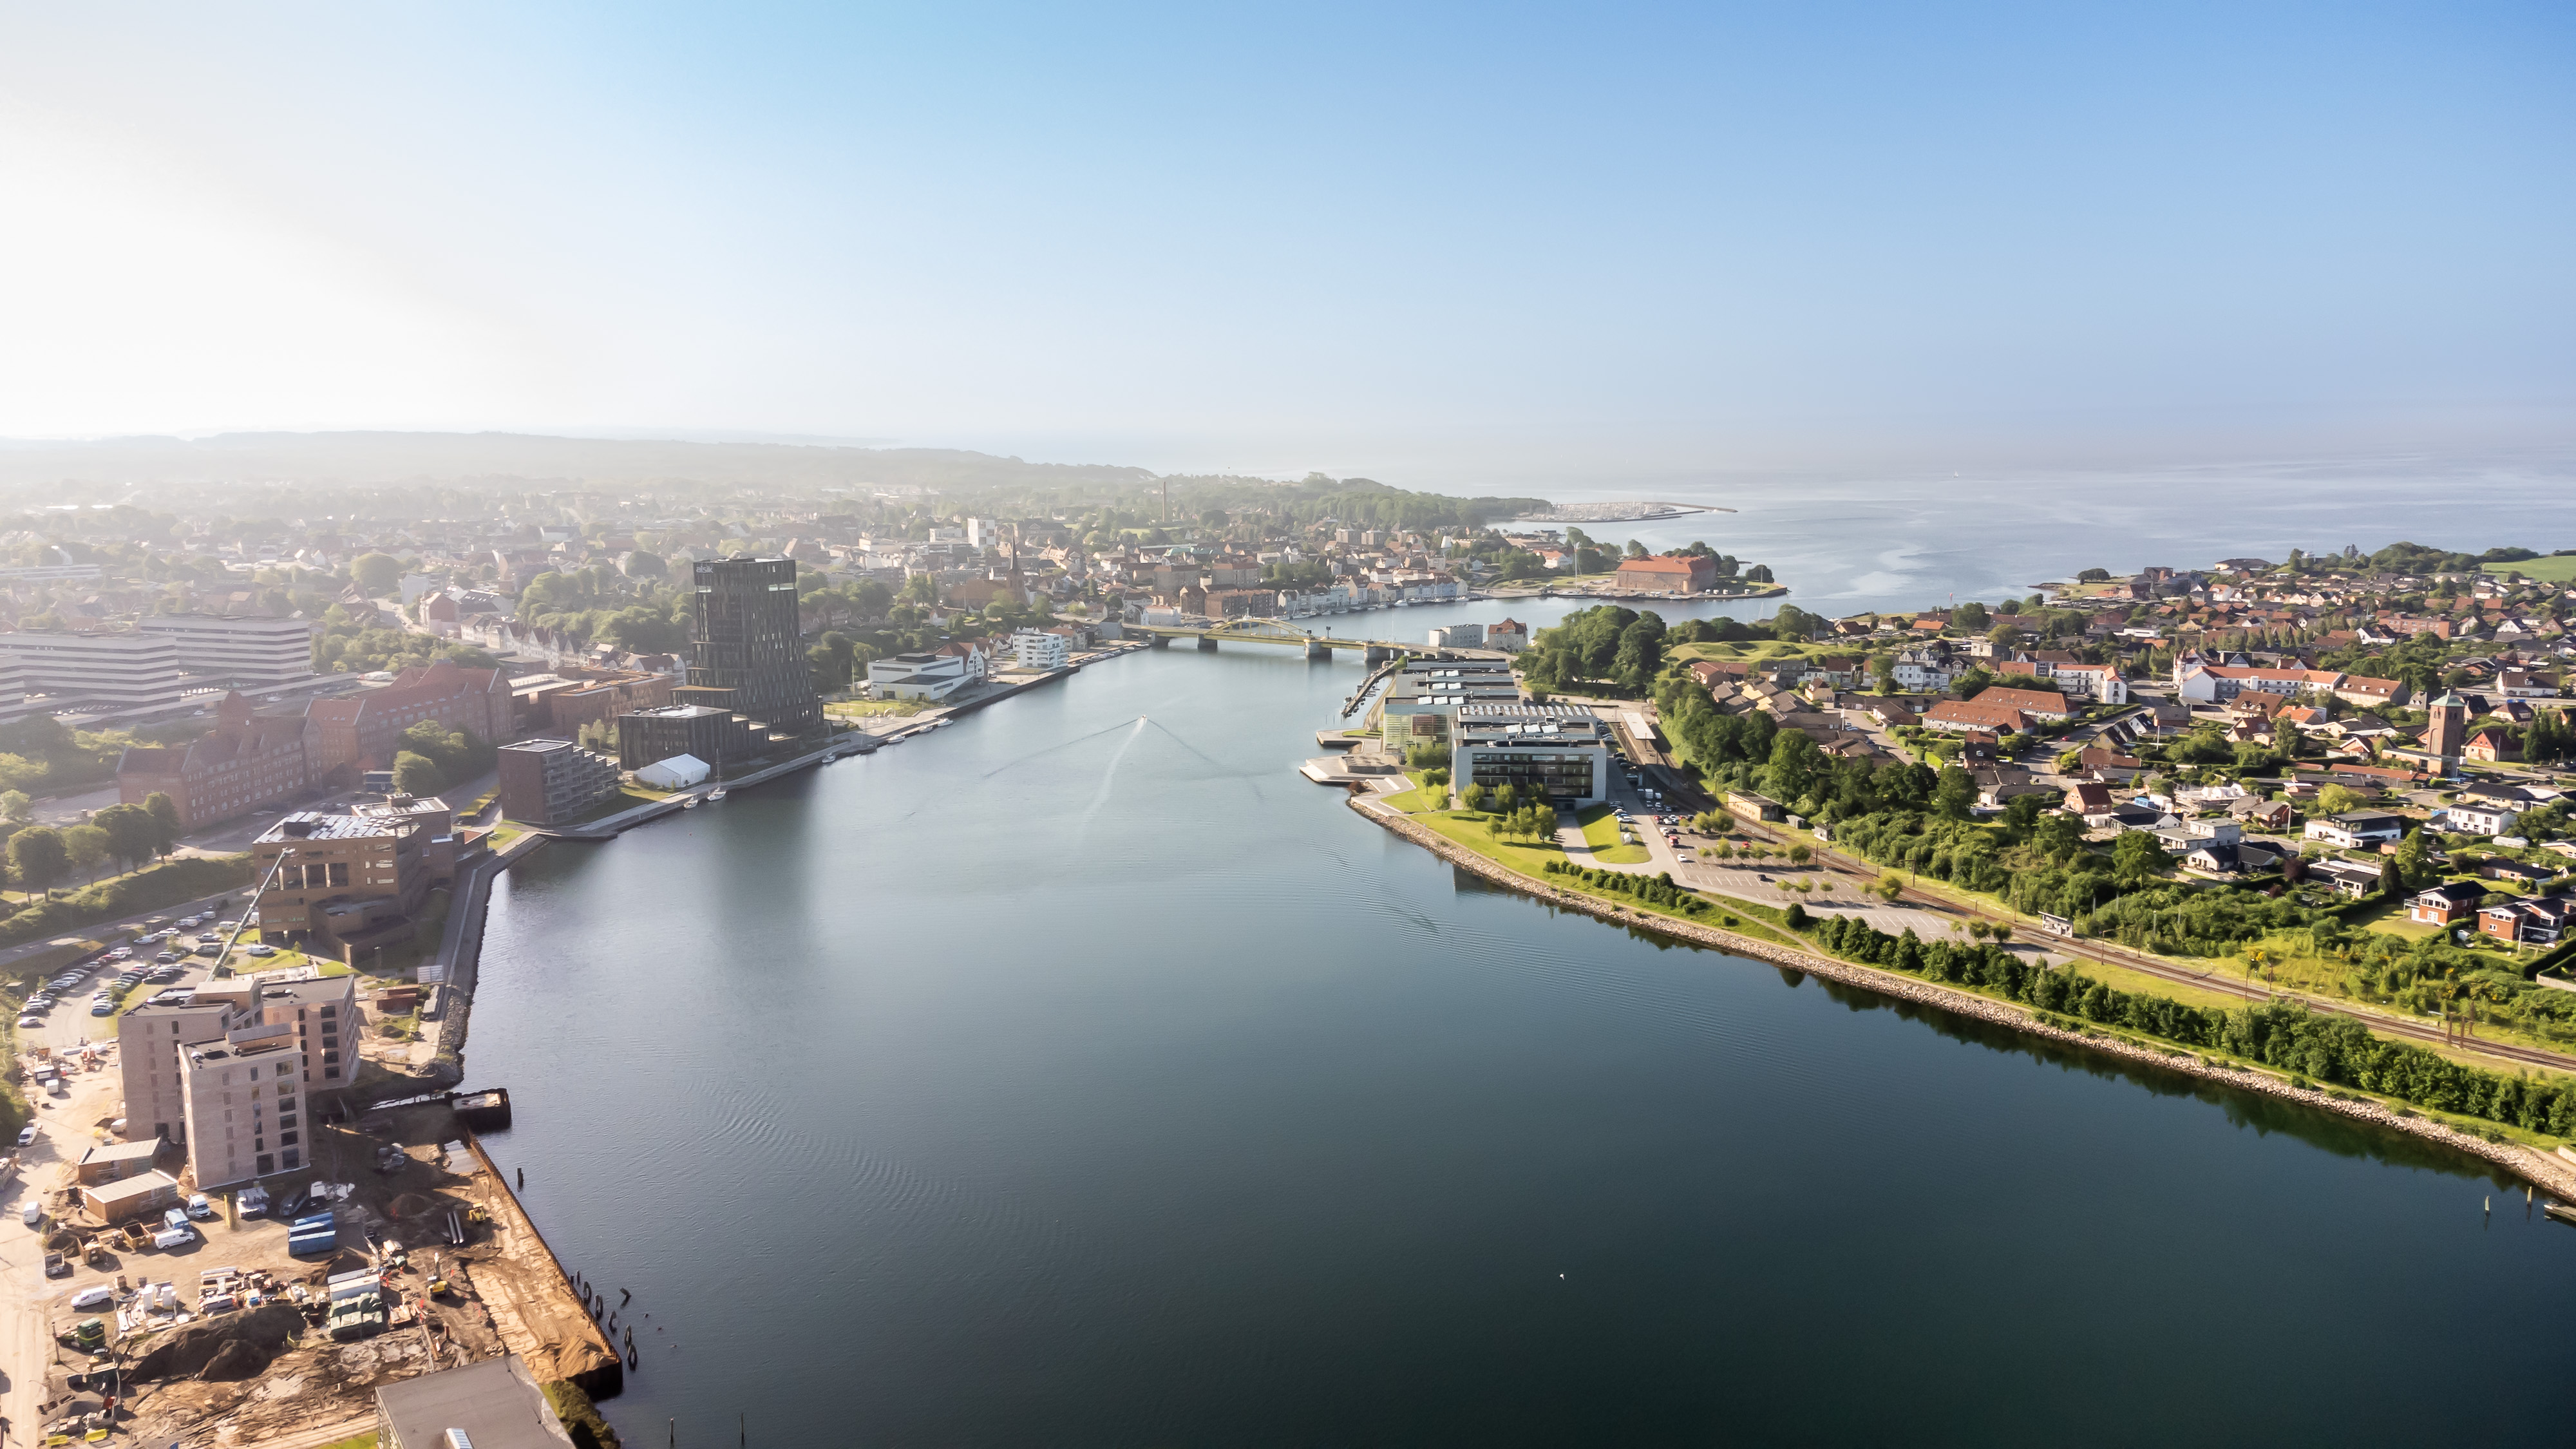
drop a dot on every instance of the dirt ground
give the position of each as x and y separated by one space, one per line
255 1375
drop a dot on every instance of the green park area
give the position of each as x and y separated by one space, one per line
2558 568
1601 832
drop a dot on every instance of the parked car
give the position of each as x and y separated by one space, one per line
33 1215
26 1021
261 950
96 1295
198 1207
102 1008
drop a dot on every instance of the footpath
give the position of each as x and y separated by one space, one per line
2552 1174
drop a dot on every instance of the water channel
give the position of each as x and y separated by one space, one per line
1079 1075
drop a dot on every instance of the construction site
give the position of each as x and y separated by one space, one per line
257 1317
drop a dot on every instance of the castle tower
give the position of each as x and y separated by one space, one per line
2449 727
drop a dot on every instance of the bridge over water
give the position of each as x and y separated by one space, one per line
1280 632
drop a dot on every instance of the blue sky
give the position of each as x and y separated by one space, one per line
1444 240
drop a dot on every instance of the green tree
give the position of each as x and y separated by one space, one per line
37 858
417 774
165 812
376 573
15 805
133 833
86 846
650 568
2336 800
2059 837
2136 856
1473 797
1883 669
1955 793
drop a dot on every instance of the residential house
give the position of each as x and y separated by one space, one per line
2478 817
2357 829
2442 904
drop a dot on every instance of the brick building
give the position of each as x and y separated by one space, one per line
361 732
247 761
1669 573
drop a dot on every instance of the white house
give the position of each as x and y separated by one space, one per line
2100 683
2357 829
2480 817
1042 649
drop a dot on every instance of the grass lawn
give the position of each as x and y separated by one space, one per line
871 708
1601 832
354 1441
2556 569
1418 799
1474 830
627 797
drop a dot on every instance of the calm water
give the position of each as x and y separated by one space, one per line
1072 1078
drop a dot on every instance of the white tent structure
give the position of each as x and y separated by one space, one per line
676 773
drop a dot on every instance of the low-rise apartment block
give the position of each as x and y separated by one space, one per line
547 782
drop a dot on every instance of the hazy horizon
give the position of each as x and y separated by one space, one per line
1437 243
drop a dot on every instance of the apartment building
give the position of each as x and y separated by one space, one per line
251 653
547 782
247 761
241 1099
297 1017
1042 649
129 670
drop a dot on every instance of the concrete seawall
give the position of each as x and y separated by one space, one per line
2551 1174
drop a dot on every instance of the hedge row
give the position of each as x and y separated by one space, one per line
2284 1035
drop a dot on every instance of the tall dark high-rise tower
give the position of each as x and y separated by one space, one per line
749 656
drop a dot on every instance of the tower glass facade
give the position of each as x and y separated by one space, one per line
749 646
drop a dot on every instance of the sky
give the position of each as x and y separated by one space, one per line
1586 243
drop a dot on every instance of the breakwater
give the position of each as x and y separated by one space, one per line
2551 1174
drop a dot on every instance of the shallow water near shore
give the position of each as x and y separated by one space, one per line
1079 1075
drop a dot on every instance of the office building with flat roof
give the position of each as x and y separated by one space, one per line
343 880
1558 751
250 652
111 671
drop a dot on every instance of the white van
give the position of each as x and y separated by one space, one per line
33 1215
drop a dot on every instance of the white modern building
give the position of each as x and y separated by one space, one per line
916 676
2357 829
1458 636
245 653
130 670
1551 751
1041 649
2480 818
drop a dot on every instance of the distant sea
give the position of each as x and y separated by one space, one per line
1844 546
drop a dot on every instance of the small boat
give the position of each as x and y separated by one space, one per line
717 793
2561 1211
690 804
